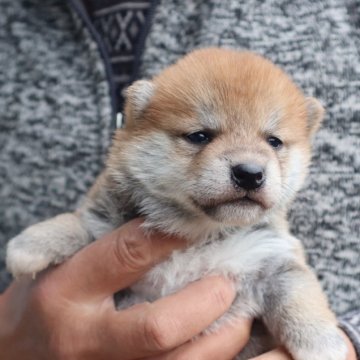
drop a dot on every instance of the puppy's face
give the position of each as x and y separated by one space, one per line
220 134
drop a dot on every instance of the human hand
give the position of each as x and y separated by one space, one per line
281 354
68 311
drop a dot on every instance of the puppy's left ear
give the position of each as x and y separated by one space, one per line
315 114
138 96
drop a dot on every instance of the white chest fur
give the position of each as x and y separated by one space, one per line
240 256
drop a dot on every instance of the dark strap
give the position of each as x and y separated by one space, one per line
120 29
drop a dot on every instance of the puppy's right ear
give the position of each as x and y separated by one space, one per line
315 112
138 96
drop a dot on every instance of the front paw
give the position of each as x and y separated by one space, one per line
24 256
327 345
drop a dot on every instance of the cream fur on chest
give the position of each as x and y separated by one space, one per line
241 256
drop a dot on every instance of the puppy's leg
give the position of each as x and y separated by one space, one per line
297 314
54 240
45 243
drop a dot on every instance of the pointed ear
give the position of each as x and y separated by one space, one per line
138 96
315 113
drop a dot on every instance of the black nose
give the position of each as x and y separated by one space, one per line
248 176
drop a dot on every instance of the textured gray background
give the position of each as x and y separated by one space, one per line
55 114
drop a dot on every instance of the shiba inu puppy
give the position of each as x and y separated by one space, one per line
214 149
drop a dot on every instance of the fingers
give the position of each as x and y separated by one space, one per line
224 345
150 329
351 350
13 300
115 261
277 354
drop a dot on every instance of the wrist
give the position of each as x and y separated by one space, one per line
353 338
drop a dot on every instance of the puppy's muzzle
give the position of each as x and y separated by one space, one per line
248 176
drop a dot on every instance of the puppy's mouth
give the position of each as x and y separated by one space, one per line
244 200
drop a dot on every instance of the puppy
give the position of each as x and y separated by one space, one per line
214 150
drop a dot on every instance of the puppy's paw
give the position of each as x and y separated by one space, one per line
24 256
328 345
48 242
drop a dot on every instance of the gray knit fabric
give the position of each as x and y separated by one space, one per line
55 112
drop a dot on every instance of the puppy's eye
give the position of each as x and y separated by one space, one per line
274 142
199 137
